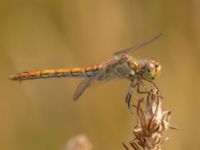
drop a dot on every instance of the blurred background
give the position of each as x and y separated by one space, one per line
39 34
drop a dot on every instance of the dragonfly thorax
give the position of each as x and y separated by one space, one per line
150 69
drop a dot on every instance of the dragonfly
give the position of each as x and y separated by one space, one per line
120 66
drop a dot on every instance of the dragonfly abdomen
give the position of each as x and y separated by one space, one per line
84 72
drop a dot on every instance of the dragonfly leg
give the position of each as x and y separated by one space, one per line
130 93
154 84
139 89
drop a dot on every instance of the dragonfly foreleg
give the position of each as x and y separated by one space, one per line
139 89
153 83
156 87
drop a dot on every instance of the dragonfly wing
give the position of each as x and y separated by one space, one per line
103 74
82 87
88 82
139 45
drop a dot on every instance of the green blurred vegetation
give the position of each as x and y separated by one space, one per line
38 34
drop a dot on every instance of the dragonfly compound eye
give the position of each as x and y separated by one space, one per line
150 69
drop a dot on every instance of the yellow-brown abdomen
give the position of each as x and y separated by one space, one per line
87 71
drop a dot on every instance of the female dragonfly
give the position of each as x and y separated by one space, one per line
121 66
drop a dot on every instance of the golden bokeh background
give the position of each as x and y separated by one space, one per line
39 34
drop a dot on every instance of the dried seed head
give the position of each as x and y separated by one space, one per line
152 123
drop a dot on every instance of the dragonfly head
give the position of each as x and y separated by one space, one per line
151 69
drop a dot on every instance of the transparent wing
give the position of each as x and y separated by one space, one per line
105 74
139 45
88 82
82 87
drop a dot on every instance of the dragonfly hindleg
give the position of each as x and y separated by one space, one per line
130 93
